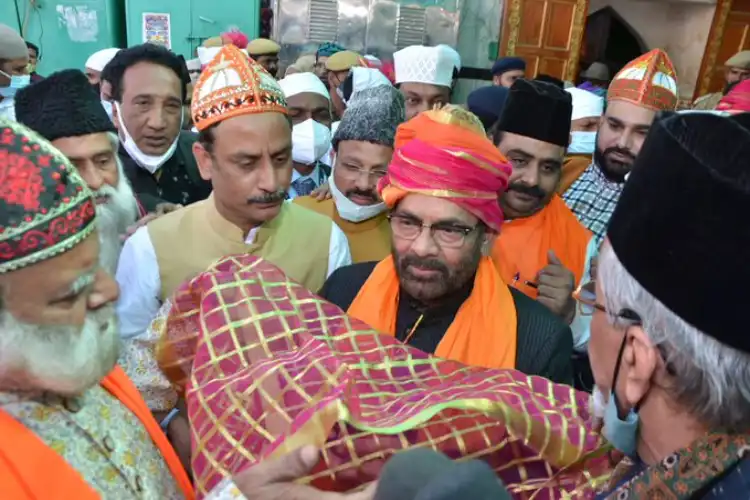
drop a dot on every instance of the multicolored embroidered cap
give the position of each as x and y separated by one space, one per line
45 207
649 81
233 84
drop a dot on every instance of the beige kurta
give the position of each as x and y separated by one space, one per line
188 241
708 101
369 240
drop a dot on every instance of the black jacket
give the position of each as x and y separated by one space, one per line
544 346
177 181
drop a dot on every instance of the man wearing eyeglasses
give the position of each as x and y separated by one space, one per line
363 146
439 290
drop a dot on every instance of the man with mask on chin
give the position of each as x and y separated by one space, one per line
66 111
363 146
642 88
587 113
149 87
245 150
14 69
439 291
668 348
309 107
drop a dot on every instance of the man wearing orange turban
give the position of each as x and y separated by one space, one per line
439 290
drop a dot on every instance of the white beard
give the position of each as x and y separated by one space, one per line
64 360
114 217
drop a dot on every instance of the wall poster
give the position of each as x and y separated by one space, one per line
157 29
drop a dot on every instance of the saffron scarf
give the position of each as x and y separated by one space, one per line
31 470
520 251
483 332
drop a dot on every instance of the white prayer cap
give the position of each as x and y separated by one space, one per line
585 104
298 83
420 64
101 58
455 56
367 78
193 64
207 54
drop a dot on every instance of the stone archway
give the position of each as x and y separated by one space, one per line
611 39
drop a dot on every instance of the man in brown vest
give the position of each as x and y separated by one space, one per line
245 150
363 147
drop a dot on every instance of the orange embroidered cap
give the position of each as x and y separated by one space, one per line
649 81
233 84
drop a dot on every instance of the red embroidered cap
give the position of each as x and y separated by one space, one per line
45 206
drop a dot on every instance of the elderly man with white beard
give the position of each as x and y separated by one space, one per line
66 111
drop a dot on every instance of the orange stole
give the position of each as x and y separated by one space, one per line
520 251
572 169
29 469
483 332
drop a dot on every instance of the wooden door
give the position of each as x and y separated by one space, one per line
546 33
730 33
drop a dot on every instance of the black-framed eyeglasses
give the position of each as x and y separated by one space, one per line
446 235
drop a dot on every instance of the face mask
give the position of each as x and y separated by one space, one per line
582 142
350 211
17 82
108 108
147 162
310 141
622 434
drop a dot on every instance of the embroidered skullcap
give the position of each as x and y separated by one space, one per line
696 224
649 81
453 53
344 60
740 60
232 85
300 83
263 47
505 64
12 45
45 207
98 60
372 115
328 49
62 105
585 104
420 64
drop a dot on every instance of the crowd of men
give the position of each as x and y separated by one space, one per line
540 227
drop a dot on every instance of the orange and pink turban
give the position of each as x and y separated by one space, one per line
446 153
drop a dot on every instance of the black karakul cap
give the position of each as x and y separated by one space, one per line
64 104
680 228
539 110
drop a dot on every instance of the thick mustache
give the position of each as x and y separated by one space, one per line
362 193
276 197
431 264
534 191
622 152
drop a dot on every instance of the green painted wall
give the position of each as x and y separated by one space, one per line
192 21
66 31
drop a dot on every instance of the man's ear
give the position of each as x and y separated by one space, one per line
640 360
204 161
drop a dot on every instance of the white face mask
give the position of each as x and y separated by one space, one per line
147 162
108 108
310 141
350 211
582 142
17 82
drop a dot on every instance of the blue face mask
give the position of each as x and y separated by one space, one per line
108 108
623 434
582 143
17 82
